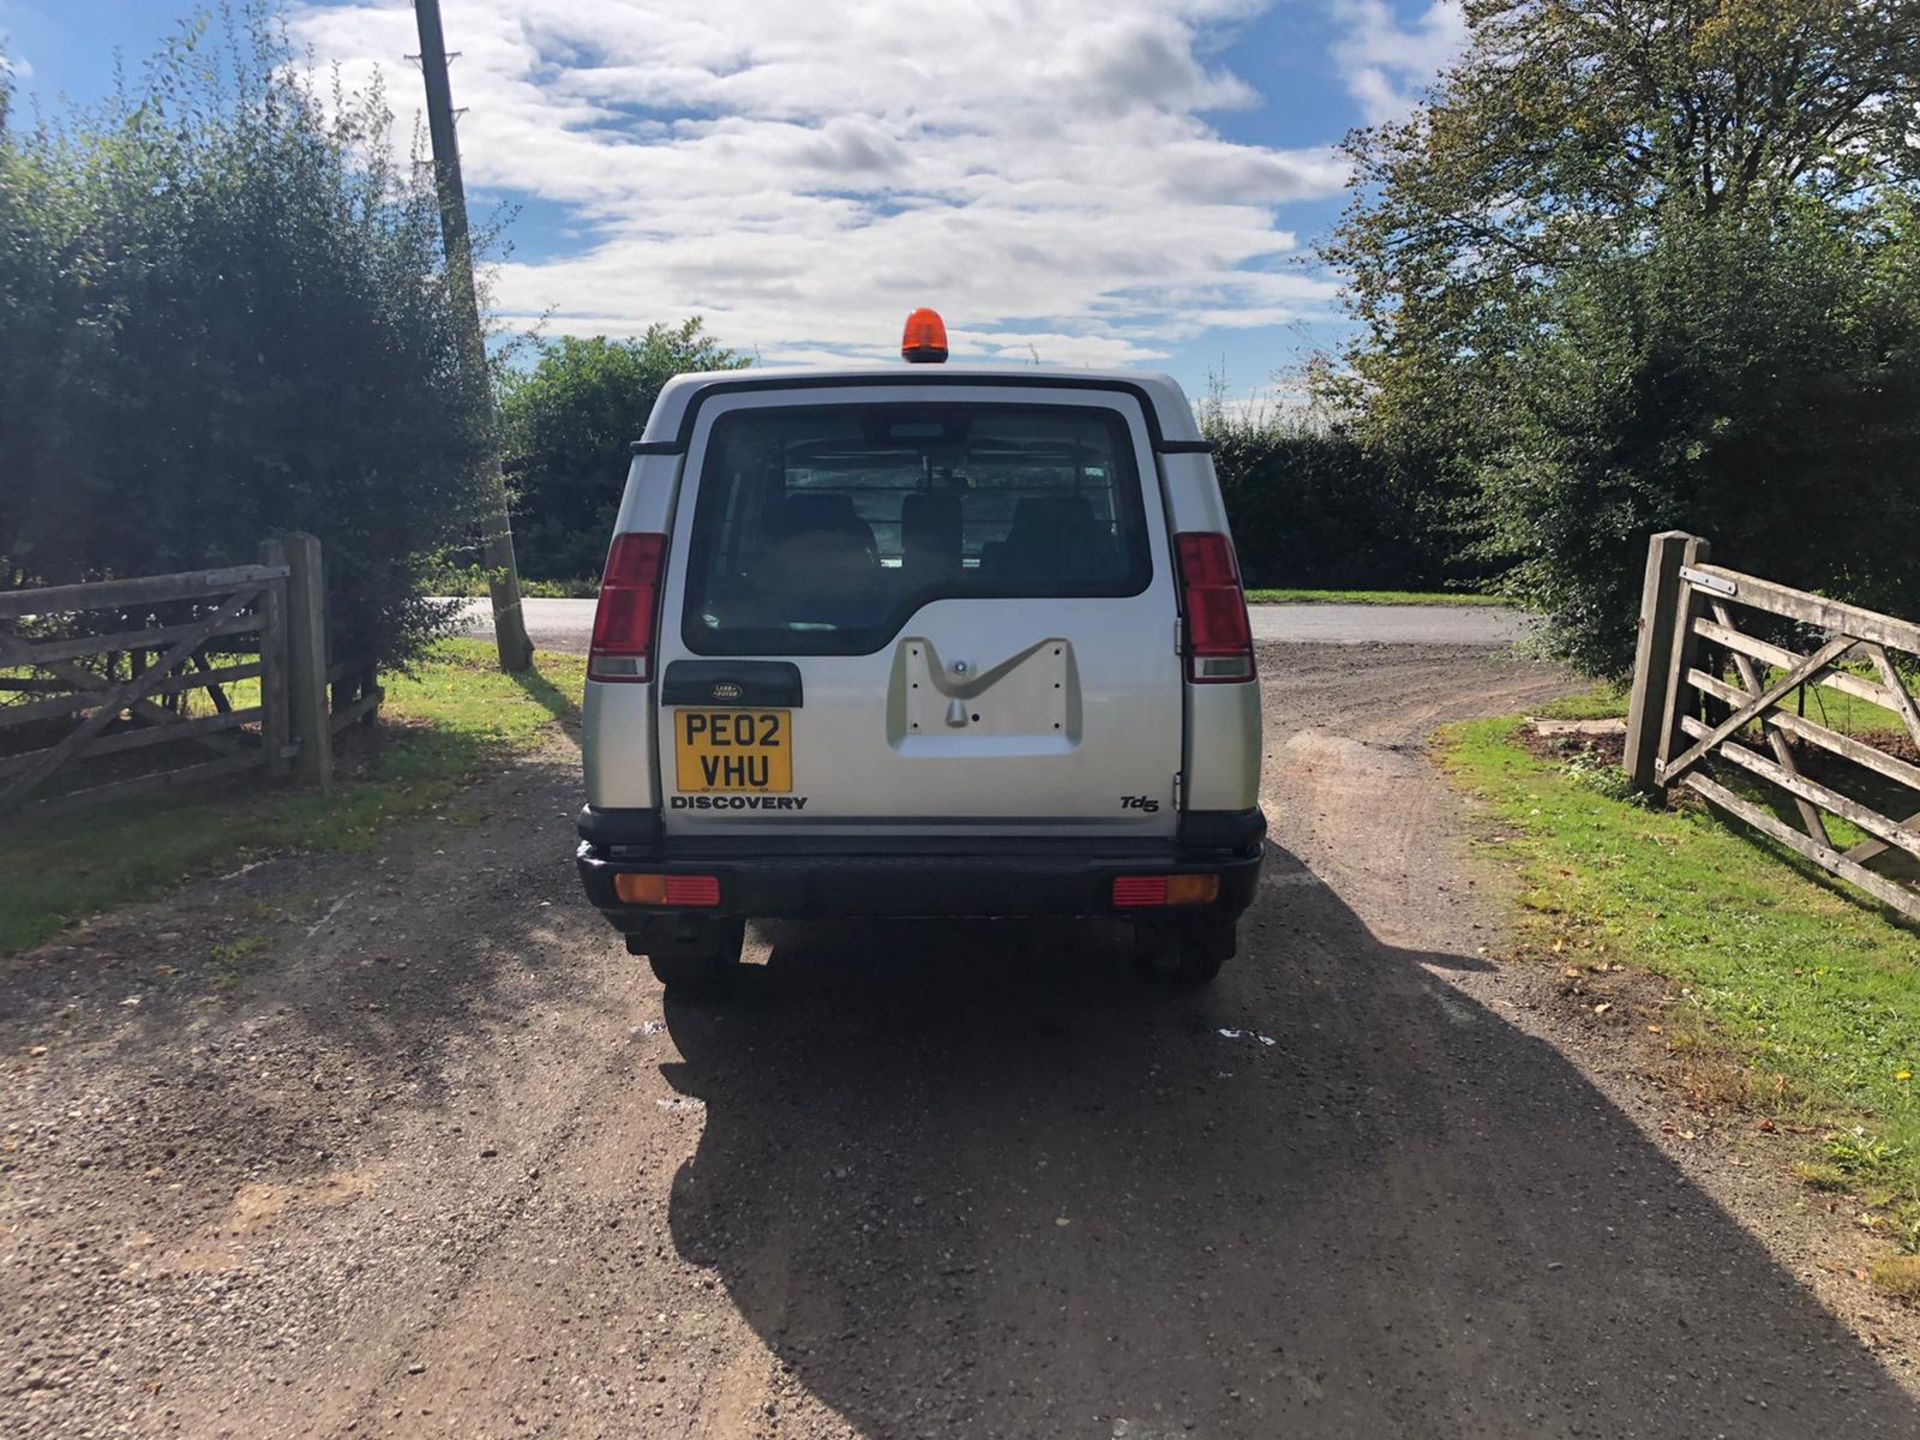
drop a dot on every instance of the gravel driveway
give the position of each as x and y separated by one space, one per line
404 1144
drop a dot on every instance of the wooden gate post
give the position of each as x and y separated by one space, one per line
1660 611
307 661
275 737
1681 699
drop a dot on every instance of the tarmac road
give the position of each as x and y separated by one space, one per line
567 624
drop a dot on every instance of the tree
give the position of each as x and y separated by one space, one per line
1598 182
224 312
567 425
1760 386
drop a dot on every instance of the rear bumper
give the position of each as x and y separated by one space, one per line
987 876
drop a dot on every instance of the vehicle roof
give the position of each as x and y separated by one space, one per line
1174 416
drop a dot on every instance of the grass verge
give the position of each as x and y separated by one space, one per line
470 583
1814 992
441 728
1847 714
1370 597
1605 701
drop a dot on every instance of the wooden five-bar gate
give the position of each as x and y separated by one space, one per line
74 693
1707 689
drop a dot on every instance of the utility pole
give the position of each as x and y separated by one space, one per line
503 572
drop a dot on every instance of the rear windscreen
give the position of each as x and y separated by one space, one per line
819 529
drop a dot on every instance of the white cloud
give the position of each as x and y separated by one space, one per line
804 172
1385 62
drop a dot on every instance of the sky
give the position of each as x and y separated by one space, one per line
1114 183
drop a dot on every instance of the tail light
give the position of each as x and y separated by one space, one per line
701 890
1145 892
622 647
678 891
1219 639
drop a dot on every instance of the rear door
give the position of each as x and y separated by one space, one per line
920 610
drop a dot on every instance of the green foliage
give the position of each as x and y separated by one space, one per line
1644 265
1589 769
224 312
1313 507
1858 1153
567 424
1755 383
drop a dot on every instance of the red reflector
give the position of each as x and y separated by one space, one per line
693 890
1219 638
622 644
1132 891
925 340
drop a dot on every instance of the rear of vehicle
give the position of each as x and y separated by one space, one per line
894 642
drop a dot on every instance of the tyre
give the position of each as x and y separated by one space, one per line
1184 957
697 966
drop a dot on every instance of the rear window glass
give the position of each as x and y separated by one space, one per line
819 529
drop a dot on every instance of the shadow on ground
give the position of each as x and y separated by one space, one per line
977 1180
563 705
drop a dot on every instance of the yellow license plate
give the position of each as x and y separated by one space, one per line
718 751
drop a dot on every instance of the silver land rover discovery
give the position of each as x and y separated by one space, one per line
924 640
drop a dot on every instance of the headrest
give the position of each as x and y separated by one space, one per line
1036 516
926 513
806 513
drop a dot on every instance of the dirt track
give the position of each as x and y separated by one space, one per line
435 1160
